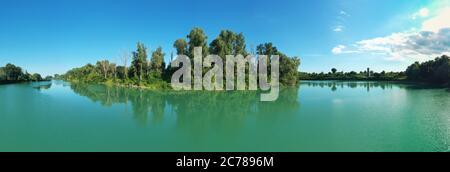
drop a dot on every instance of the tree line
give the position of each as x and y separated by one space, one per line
435 71
154 73
13 74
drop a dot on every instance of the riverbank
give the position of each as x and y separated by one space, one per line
160 85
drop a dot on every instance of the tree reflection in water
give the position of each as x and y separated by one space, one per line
368 85
193 109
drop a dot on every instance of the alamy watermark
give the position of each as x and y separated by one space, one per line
213 79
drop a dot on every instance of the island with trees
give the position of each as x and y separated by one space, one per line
152 72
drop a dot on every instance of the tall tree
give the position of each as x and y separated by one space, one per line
113 69
266 49
197 38
104 67
139 62
2 74
157 62
228 43
239 47
181 46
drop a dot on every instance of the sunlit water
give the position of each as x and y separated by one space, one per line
316 116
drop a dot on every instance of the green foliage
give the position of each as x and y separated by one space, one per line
154 74
2 74
36 77
181 46
434 71
11 74
352 75
289 70
266 49
157 64
197 38
139 63
228 43
288 65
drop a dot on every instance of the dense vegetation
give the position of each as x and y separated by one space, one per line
359 76
13 74
153 72
435 71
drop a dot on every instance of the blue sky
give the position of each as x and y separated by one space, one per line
53 36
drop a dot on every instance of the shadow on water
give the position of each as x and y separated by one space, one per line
192 108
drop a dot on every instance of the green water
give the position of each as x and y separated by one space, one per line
316 116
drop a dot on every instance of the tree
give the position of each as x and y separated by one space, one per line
12 72
112 67
334 70
104 67
412 72
36 77
181 46
266 49
157 62
433 71
121 72
288 66
197 38
443 73
223 45
288 69
228 43
240 45
218 46
139 63
2 74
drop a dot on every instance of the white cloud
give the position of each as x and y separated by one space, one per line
441 20
432 40
338 49
342 49
416 45
338 28
424 12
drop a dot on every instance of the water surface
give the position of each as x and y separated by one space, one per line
316 116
